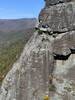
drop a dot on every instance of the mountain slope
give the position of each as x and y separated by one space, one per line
12 41
10 29
16 24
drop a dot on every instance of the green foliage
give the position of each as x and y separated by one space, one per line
9 55
52 87
68 89
10 50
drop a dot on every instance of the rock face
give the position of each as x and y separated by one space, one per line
47 64
54 2
59 17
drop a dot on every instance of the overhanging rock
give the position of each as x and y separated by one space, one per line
54 2
65 46
59 17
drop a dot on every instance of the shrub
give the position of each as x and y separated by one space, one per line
52 87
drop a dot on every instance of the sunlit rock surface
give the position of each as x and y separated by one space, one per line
47 63
60 17
54 2
28 79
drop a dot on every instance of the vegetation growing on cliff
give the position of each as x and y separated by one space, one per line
10 53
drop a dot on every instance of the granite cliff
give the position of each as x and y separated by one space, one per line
47 64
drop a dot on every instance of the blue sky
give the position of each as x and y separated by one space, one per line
20 8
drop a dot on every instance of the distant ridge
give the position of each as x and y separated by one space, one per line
7 25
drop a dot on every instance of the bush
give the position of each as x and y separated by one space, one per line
52 87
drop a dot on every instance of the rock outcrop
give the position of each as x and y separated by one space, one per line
54 2
47 64
60 17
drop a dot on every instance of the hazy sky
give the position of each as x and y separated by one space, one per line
20 8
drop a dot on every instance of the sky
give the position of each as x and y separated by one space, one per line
13 9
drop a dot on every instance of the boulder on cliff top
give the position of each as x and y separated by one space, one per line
59 18
54 2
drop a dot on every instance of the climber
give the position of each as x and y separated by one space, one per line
44 29
45 26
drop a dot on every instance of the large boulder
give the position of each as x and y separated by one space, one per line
67 41
54 2
60 18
